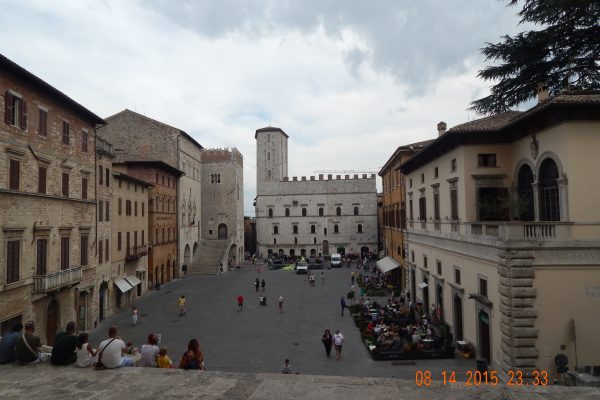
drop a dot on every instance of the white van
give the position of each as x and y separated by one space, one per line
336 261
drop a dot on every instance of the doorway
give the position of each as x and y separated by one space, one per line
52 321
102 300
484 335
458 317
222 231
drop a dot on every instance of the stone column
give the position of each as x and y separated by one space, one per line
518 314
563 198
536 200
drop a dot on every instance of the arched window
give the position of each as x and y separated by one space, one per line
295 229
270 213
295 240
275 230
549 204
336 229
315 240
338 211
320 211
525 192
355 210
304 211
287 212
312 229
325 231
359 228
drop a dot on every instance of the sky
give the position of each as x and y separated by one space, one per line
349 81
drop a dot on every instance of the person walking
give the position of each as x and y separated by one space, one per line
262 284
338 340
352 278
280 304
181 304
256 284
327 341
286 367
240 301
134 315
322 278
343 304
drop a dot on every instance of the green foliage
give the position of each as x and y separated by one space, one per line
350 295
562 54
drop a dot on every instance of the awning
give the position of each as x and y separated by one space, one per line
123 285
133 280
422 285
387 264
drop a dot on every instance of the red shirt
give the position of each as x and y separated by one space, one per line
240 299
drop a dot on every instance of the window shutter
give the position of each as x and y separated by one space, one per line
15 171
23 116
42 180
41 130
8 108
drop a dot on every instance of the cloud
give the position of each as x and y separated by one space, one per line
348 81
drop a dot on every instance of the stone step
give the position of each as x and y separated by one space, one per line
208 257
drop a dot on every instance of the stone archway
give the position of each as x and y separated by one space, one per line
232 257
195 250
222 231
174 267
186 255
325 247
52 321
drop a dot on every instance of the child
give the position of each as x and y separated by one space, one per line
84 350
129 349
163 361
286 367
134 315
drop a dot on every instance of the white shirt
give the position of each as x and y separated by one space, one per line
84 358
111 356
281 299
338 339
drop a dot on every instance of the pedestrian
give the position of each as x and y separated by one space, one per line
240 301
256 284
163 360
343 304
7 345
322 278
134 315
338 339
221 267
286 367
262 283
280 304
181 304
327 341
352 278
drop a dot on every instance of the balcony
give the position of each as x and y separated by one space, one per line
135 252
104 147
56 280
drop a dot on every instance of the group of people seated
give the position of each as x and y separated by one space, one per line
70 348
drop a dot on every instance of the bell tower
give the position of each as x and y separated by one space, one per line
271 157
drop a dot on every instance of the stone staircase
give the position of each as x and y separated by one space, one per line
210 254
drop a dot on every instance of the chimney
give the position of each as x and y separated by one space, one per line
441 126
542 92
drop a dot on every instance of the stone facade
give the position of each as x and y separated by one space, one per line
301 216
136 137
393 209
223 200
503 230
47 205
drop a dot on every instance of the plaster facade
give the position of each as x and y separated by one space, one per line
223 201
47 205
504 235
301 216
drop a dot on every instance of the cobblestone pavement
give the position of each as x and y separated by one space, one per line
258 339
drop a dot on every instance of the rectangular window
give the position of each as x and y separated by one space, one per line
43 122
100 251
453 165
42 257
65 184
13 254
107 177
107 214
84 250
436 205
422 208
14 175
64 253
486 160
410 209
412 255
42 172
483 287
439 267
119 241
135 208
100 175
15 111
422 178
410 183
100 211
425 262
135 239
127 207
84 188
457 276
120 206
65 133
84 141
143 207
435 172
454 203
107 250
143 238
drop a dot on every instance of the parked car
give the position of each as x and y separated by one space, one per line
301 267
315 263
275 263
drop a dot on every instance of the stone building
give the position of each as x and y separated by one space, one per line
301 216
222 209
47 205
393 211
136 137
130 234
504 233
162 218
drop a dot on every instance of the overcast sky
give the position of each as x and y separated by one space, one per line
349 81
